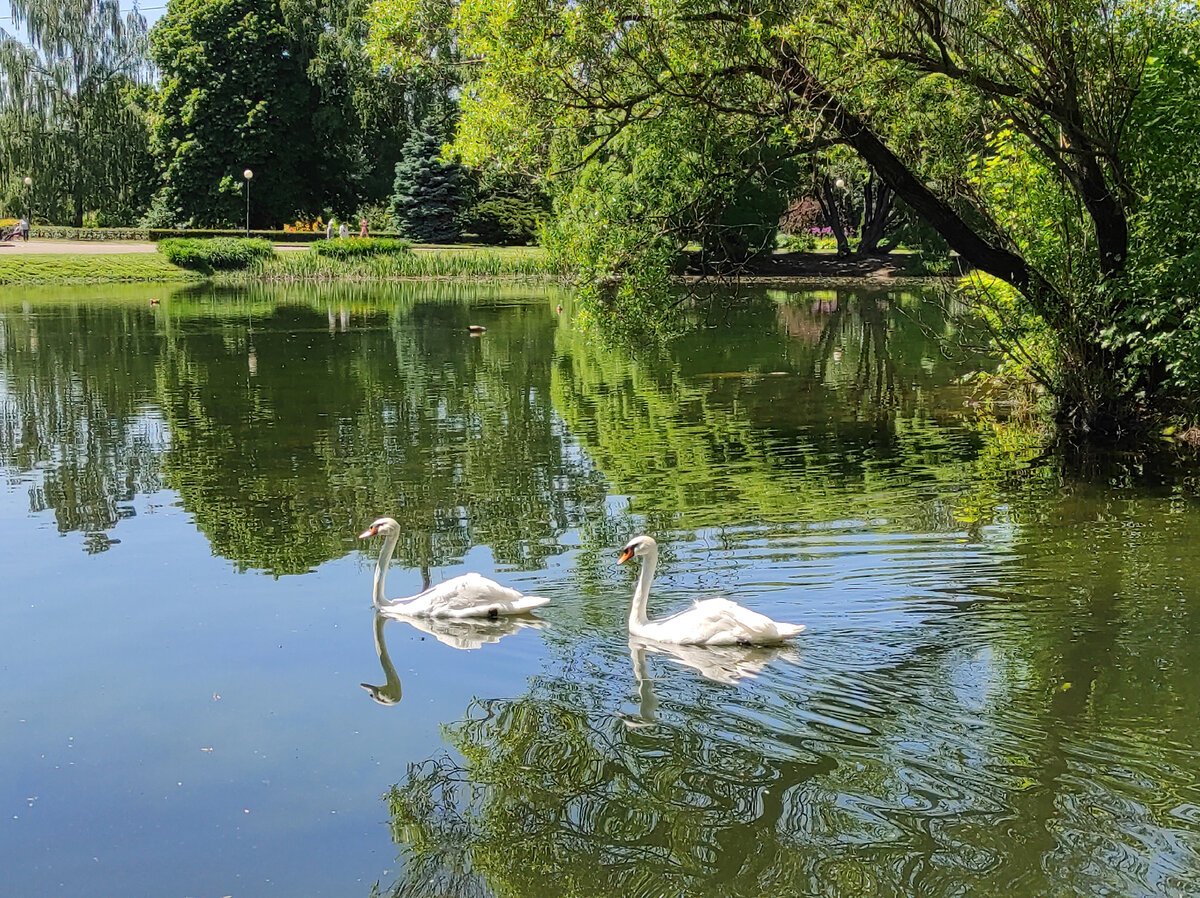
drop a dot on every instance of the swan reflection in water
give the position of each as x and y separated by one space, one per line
391 691
728 664
458 634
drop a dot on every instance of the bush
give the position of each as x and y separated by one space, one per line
801 242
359 247
505 220
378 216
55 232
215 254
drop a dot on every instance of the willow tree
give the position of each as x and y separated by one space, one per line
1020 131
71 114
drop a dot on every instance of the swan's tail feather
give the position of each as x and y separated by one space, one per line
528 603
789 631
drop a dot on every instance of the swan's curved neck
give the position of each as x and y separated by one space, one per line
381 566
641 594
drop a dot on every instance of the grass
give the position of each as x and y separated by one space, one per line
422 263
38 268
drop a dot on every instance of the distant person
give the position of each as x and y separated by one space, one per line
23 230
362 227
343 231
329 229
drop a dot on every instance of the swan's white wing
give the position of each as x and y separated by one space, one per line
470 595
720 622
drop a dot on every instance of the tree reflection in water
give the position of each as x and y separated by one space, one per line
77 387
1001 701
1034 747
284 419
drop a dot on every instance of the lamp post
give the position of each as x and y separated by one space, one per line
28 202
247 174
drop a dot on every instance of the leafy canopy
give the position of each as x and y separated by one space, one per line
1018 131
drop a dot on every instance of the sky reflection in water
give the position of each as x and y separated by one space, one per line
996 693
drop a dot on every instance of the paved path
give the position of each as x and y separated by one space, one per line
95 247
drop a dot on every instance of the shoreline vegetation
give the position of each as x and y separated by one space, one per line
432 263
77 268
422 262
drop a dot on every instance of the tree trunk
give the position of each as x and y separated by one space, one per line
1094 404
77 175
77 216
981 252
831 208
878 206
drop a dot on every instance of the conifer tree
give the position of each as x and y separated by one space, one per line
429 192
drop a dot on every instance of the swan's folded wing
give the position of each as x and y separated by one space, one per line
723 622
471 595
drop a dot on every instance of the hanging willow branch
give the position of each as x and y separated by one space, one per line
70 117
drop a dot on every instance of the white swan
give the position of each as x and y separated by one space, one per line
470 595
710 622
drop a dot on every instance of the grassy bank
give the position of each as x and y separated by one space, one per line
422 263
38 268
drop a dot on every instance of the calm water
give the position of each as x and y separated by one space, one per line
997 694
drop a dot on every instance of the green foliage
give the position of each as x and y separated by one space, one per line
1011 133
215 254
72 111
743 214
440 263
429 193
359 247
1159 313
505 220
233 96
377 215
801 242
50 232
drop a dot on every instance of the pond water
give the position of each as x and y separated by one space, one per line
997 692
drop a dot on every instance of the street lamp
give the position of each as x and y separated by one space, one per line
247 174
28 200
839 183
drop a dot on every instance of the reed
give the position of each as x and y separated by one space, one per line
436 263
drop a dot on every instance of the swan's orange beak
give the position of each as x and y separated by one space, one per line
368 533
626 554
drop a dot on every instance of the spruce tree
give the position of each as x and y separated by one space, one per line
429 192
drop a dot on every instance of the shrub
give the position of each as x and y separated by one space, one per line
358 247
56 232
802 242
215 254
378 216
505 220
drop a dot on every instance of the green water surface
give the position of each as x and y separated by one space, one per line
997 693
